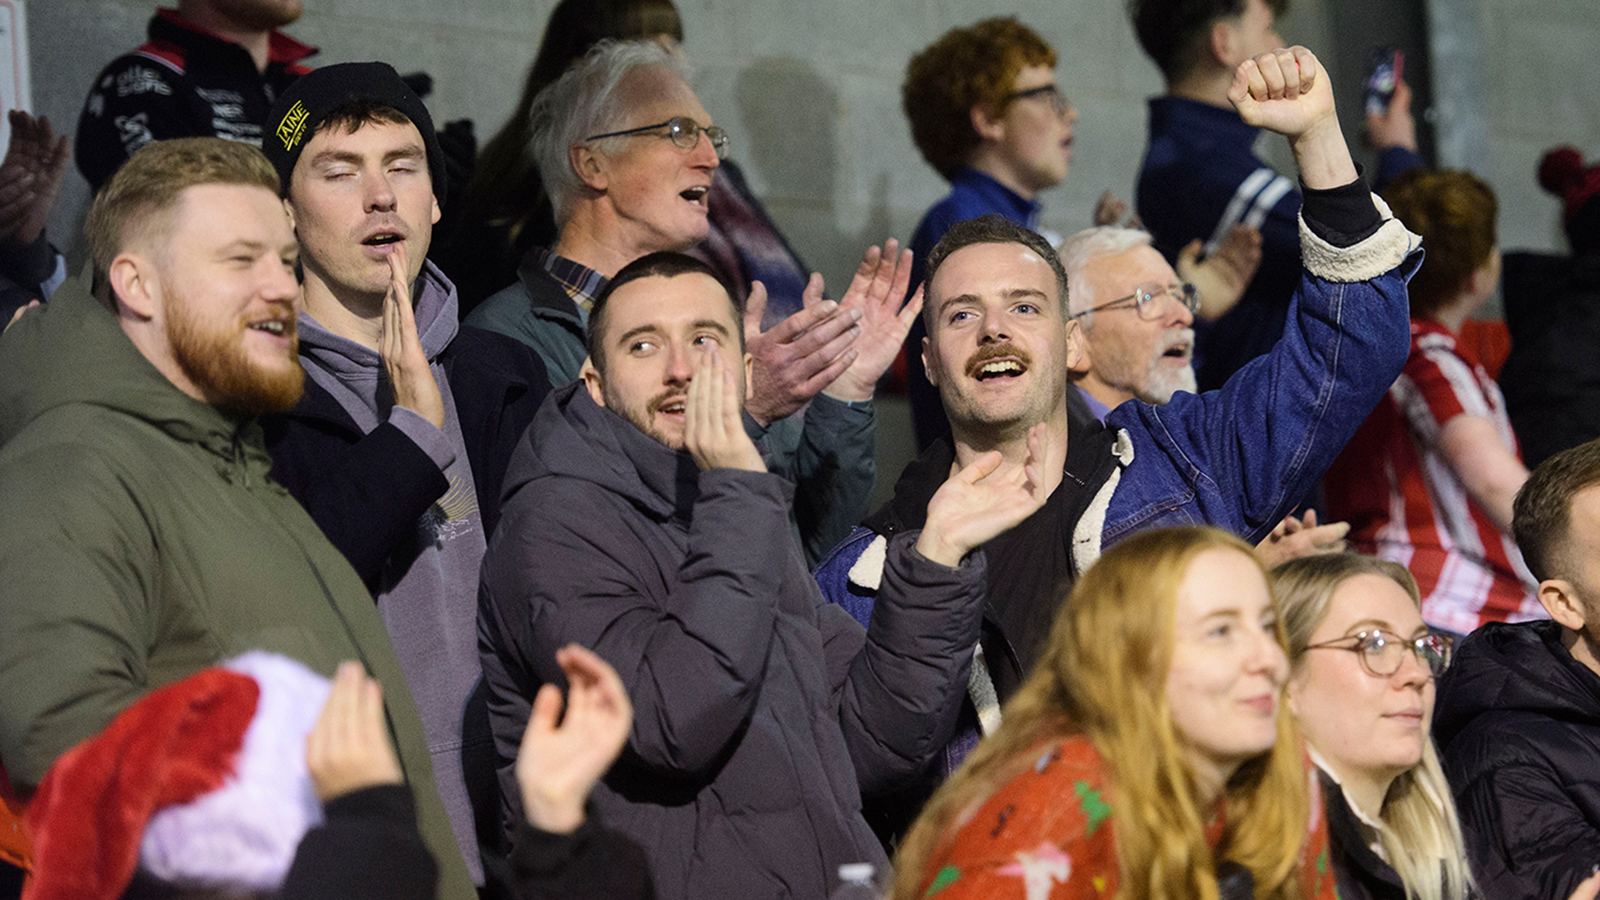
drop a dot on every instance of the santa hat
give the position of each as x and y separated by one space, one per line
1562 172
202 782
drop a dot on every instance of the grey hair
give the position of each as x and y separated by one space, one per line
585 101
1076 251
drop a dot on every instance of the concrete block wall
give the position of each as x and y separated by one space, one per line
810 92
1543 91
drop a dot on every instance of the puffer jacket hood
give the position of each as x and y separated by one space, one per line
1515 667
41 369
574 437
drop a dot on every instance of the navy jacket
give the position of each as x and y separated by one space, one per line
367 491
1200 177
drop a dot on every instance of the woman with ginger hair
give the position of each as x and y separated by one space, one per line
1147 757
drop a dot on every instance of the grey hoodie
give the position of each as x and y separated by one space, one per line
429 594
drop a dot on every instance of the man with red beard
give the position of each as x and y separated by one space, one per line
409 418
210 68
142 539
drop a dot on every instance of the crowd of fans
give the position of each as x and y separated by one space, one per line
382 522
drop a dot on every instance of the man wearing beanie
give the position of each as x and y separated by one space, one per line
399 445
143 538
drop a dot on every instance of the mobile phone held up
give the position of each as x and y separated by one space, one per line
1385 66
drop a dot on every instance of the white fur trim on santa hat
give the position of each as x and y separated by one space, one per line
244 834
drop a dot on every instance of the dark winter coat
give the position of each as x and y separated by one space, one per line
1551 380
760 712
1361 874
367 491
1518 721
145 541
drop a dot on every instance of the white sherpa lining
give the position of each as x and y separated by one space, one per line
1379 253
867 571
1087 534
980 687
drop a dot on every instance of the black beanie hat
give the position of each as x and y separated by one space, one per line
314 95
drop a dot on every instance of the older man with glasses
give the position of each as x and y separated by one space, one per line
1137 321
627 155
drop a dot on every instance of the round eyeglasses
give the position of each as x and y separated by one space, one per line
1146 299
1382 652
683 131
1049 93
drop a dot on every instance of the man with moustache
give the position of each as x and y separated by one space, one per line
1518 714
143 537
640 520
210 68
400 443
1001 344
986 113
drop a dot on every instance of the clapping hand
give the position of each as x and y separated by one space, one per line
799 356
1223 275
559 764
877 291
30 175
983 501
349 747
713 427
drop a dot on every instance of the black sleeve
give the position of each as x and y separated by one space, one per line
588 864
368 847
1343 216
28 264
134 102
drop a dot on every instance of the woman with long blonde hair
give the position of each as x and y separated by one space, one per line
1147 757
1361 689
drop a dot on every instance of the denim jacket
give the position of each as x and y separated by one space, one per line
1239 457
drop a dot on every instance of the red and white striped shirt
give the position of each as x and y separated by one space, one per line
1404 503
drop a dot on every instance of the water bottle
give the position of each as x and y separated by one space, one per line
857 881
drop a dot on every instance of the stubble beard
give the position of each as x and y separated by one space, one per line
214 359
262 15
641 417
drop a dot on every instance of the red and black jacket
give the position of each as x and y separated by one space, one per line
184 82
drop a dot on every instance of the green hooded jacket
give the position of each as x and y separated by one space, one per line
141 540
